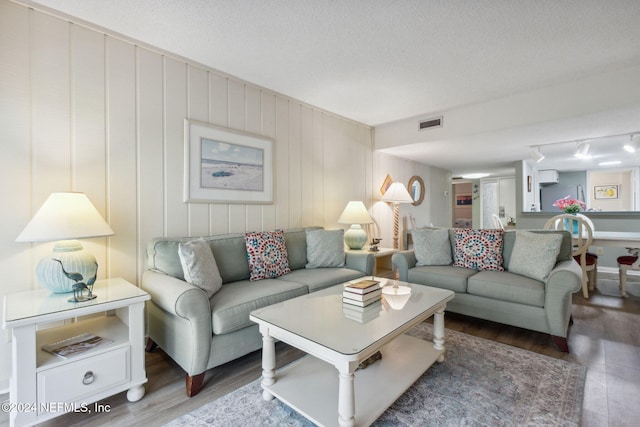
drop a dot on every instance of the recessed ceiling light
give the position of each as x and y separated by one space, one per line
583 150
475 175
611 163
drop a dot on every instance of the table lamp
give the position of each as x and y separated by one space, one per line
355 214
396 194
63 218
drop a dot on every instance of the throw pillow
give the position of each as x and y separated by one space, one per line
478 249
534 254
432 247
199 266
267 254
325 248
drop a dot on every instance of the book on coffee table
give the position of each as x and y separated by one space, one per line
362 286
362 314
376 293
360 303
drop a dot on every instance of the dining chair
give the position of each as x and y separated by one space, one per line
497 223
593 277
582 239
627 262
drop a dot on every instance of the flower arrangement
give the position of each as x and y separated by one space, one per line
569 205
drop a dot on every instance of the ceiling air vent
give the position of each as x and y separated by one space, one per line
435 122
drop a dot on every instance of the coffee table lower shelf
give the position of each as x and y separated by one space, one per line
310 385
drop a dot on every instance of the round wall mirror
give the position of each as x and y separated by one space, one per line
416 189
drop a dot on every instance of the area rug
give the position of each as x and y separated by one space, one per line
481 383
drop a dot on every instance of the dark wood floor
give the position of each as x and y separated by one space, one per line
605 337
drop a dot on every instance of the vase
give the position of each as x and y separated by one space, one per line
574 229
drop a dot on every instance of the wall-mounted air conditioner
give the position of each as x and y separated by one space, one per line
548 176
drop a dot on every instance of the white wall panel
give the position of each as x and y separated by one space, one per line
306 166
268 109
281 153
295 167
122 159
198 109
219 115
175 110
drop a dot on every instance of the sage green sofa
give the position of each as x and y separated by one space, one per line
504 296
200 333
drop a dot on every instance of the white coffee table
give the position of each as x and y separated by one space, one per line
315 323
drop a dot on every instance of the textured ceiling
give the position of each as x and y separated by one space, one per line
377 61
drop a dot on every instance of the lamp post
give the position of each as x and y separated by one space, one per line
396 194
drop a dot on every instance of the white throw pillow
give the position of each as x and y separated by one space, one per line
534 254
199 266
432 247
325 248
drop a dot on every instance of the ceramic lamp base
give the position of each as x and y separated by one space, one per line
71 256
355 237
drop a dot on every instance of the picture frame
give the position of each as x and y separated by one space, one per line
463 200
386 184
605 191
223 165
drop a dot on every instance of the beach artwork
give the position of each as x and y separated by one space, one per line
231 166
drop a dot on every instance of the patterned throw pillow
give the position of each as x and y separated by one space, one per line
267 254
478 249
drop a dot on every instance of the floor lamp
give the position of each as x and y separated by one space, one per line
396 194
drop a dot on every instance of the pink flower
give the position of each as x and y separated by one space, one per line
569 205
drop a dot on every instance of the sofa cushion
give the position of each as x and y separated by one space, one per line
441 276
267 254
320 278
506 286
199 266
296 240
325 248
534 255
231 305
509 239
478 249
432 247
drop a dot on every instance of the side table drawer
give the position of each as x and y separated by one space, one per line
76 380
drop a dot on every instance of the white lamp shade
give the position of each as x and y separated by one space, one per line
65 216
397 193
355 213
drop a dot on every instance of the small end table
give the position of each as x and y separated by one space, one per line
43 385
383 266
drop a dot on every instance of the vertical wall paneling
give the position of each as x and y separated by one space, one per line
219 115
175 111
122 158
268 123
307 165
237 120
87 138
295 167
317 185
149 101
198 109
281 173
253 124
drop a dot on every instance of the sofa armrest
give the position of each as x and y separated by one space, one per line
176 296
403 261
564 280
362 261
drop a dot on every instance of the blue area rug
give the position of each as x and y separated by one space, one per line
481 383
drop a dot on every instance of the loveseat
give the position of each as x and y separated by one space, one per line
201 328
516 277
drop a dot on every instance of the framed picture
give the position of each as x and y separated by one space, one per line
386 184
463 200
605 191
223 165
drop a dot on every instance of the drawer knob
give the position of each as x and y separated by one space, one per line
88 378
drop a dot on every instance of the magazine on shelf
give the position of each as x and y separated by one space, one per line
362 286
75 345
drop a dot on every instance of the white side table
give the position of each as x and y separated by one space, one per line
383 266
44 386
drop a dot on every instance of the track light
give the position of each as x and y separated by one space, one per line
632 145
583 150
537 155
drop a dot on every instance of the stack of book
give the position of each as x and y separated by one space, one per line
362 293
362 314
